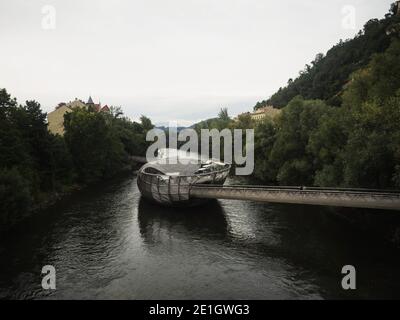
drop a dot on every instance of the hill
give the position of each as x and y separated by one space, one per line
326 76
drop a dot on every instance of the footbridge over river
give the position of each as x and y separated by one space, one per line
339 197
356 198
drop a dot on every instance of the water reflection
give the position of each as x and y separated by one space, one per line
110 243
158 224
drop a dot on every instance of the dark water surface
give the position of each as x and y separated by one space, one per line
109 243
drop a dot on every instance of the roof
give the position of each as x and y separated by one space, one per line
90 101
76 104
105 108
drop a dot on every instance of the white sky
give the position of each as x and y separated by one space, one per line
168 59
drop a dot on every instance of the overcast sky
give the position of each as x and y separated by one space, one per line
168 59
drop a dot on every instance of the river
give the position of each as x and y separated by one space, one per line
108 243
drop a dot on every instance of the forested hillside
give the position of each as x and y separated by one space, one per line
354 144
325 77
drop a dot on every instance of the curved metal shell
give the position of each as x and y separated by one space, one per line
156 181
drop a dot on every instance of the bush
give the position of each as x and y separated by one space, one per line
14 196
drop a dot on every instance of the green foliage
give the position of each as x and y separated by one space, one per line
94 146
206 124
372 102
327 75
133 135
355 145
223 119
264 140
290 153
12 147
35 163
14 196
326 145
100 143
221 122
27 146
243 122
60 162
146 123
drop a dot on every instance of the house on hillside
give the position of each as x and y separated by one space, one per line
267 111
261 113
56 118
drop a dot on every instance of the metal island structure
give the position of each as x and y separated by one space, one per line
191 181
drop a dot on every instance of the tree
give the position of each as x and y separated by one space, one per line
290 153
223 115
244 121
264 140
327 75
146 123
326 144
372 103
96 149
14 196
13 151
34 164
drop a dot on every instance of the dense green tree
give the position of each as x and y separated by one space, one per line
133 136
371 103
13 151
264 140
243 122
368 156
223 114
100 143
31 158
94 145
146 123
14 196
296 124
356 145
34 164
326 145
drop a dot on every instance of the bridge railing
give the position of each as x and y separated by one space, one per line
300 195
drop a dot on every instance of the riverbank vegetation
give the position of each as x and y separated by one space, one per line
36 166
354 145
339 127
354 142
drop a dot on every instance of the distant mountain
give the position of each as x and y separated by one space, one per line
328 74
165 128
203 124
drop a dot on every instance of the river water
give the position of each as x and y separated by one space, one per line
108 243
